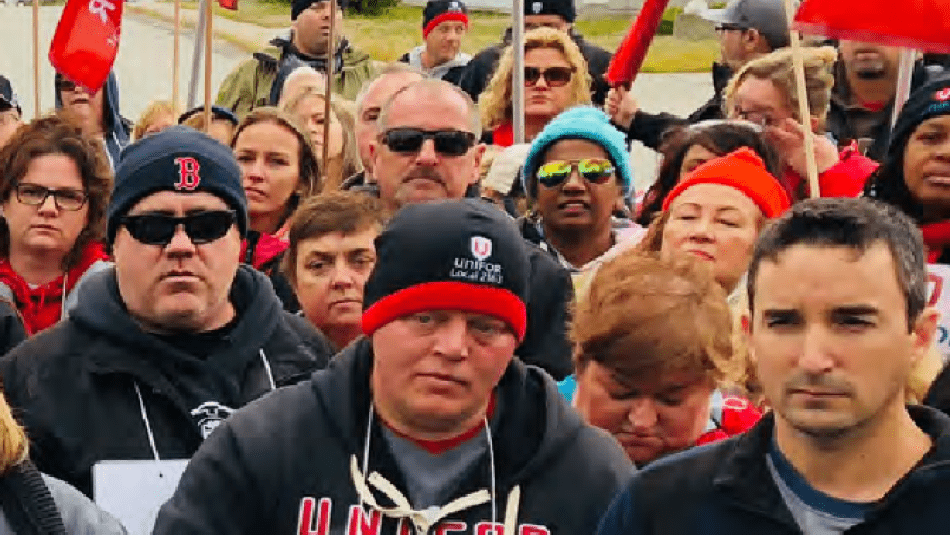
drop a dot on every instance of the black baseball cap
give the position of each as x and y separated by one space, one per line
8 98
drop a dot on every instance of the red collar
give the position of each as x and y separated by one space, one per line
438 447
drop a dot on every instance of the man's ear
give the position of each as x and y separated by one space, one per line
924 332
478 155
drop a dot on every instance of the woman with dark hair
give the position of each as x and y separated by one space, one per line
915 178
685 149
279 169
55 189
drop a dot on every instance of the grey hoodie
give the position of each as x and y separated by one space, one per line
414 59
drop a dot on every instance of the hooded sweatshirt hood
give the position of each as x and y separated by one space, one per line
218 376
116 129
414 58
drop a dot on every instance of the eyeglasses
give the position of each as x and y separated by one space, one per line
554 76
409 140
730 28
593 170
758 117
159 229
64 199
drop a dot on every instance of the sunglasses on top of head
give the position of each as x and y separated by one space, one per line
159 229
410 140
593 170
554 76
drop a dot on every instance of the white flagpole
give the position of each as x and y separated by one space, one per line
36 59
904 76
175 55
517 75
209 49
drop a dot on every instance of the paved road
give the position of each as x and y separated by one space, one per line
143 67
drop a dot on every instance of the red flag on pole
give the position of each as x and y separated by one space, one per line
920 24
229 4
626 63
86 41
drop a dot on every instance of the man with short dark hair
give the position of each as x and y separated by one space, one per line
837 320
747 29
11 115
444 24
258 81
163 347
557 14
427 425
427 150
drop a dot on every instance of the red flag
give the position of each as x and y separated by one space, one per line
626 63
86 41
920 24
228 4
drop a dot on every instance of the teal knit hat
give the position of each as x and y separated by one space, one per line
581 122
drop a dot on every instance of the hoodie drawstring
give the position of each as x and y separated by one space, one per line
424 520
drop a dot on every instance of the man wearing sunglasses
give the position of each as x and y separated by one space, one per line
165 345
98 112
427 150
747 29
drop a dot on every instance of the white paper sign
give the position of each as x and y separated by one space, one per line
938 291
134 491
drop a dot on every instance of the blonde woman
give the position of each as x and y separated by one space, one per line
308 107
764 92
556 79
34 503
158 115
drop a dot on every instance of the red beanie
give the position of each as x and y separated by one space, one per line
743 170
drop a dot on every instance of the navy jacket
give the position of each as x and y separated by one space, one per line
726 488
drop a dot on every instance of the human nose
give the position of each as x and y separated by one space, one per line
48 206
180 244
574 180
254 170
701 230
451 338
343 275
427 154
643 414
815 357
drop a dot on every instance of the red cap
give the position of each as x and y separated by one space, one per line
743 170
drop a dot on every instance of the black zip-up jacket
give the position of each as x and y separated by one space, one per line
73 385
480 69
287 463
649 128
726 488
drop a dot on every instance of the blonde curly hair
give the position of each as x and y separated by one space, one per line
779 68
495 102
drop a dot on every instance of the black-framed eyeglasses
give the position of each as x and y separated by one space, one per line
159 229
409 140
554 76
761 118
64 199
594 170
726 27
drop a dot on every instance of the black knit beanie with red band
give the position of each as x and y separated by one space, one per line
438 11
448 255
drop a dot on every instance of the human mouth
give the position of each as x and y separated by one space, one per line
255 193
442 380
702 255
574 207
180 275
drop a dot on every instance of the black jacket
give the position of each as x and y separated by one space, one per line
649 128
294 457
480 69
74 385
726 488
12 331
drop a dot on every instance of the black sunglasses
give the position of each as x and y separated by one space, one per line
409 140
554 76
159 229
63 85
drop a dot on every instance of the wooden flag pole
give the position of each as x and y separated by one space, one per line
176 41
331 50
517 74
798 58
36 59
209 38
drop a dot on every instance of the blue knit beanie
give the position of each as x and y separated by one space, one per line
581 122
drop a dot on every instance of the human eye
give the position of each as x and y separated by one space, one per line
852 320
487 328
363 261
728 222
782 319
245 157
278 160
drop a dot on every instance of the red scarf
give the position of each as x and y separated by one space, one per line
936 238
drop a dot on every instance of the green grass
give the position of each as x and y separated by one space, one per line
385 38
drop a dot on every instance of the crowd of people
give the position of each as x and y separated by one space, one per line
385 316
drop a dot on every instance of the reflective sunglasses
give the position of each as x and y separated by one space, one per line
409 140
554 76
159 229
65 199
594 170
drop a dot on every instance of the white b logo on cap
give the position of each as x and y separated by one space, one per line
481 247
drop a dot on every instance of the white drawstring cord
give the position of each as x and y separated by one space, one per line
270 374
148 426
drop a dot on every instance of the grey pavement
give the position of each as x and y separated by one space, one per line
144 66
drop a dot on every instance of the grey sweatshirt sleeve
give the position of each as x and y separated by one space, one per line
80 515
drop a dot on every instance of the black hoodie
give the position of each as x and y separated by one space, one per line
288 463
74 385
